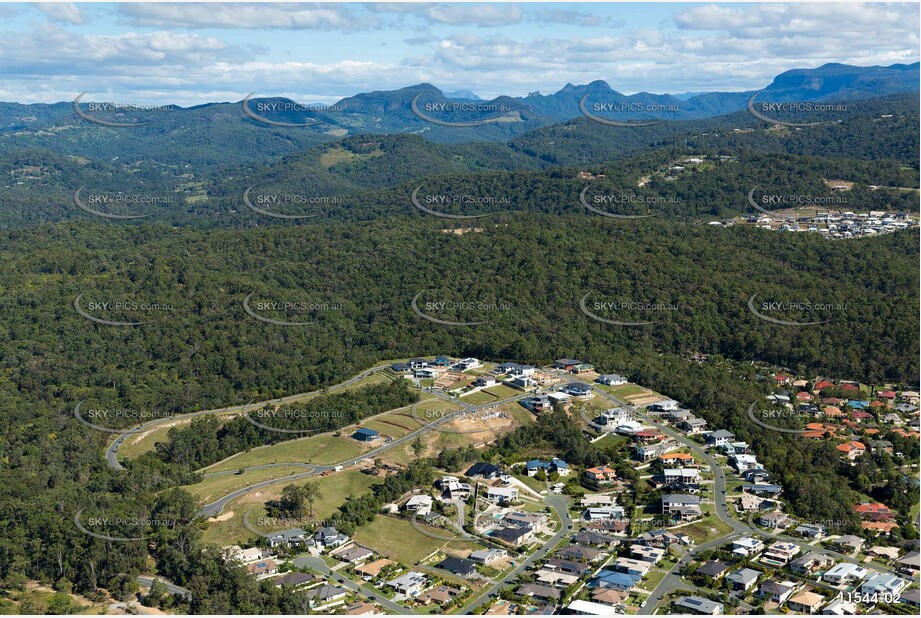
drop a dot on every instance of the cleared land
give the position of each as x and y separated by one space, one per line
214 487
322 449
398 540
334 490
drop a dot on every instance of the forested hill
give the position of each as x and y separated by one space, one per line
364 177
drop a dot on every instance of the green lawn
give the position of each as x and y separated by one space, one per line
323 449
398 540
627 390
707 528
214 487
334 490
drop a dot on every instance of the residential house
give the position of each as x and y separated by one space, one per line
513 535
692 426
683 507
713 569
720 437
806 602
483 470
502 494
883 585
292 536
580 553
294 579
844 573
366 435
354 554
461 567
597 513
326 596
775 591
747 546
852 449
421 504
839 607
743 579
780 552
410 584
566 364
488 556
372 570
616 580
773 520
810 563
632 567
546 593
263 568
611 379
849 543
329 537
699 605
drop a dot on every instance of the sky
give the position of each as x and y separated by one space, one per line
193 53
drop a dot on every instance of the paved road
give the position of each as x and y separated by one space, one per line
558 503
315 563
112 450
147 580
672 580
215 508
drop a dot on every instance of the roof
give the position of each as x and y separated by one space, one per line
482 469
681 499
699 604
712 568
537 590
743 575
807 598
366 432
458 566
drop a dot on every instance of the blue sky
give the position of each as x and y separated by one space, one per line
193 53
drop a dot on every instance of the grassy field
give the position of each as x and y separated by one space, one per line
323 449
212 488
398 540
707 528
334 490
491 394
628 390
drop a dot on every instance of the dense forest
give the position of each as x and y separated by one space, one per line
540 275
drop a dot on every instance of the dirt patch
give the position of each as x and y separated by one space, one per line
222 517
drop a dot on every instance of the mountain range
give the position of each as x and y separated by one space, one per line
222 133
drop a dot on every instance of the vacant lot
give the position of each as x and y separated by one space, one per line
398 540
334 490
212 488
323 449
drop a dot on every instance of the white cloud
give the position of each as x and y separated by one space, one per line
244 15
63 12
